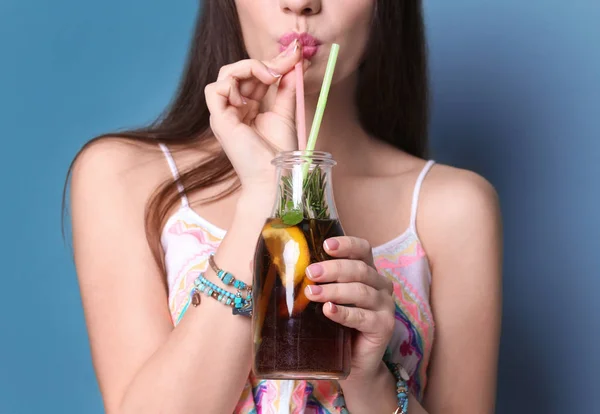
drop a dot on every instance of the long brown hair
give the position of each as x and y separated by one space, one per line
392 96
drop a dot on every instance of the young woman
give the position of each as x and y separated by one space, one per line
420 262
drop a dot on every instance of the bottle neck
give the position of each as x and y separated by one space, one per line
304 191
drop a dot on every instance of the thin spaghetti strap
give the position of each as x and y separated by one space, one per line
175 172
416 193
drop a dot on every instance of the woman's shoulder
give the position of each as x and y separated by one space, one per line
112 180
457 207
442 184
457 191
112 164
114 155
449 197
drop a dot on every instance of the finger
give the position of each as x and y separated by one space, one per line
345 271
228 89
252 109
256 90
249 70
286 60
363 320
255 76
357 294
285 99
350 248
220 95
268 73
259 91
235 97
247 86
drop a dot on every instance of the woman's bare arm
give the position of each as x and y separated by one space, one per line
459 223
143 363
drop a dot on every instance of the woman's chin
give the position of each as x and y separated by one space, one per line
312 89
313 80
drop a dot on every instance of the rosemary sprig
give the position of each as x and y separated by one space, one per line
314 204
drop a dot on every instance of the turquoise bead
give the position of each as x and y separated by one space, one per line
242 304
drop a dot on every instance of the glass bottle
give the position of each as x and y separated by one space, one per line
293 339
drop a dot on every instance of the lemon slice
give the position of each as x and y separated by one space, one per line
289 251
301 301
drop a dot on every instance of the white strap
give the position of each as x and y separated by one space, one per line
175 172
416 192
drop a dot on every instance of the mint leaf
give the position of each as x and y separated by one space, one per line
293 217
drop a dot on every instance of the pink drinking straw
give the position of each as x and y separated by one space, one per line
300 109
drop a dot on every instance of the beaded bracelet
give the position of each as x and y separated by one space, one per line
240 305
226 277
401 386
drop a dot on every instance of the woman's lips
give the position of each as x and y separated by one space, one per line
307 51
310 44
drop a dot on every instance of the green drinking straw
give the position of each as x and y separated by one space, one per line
316 125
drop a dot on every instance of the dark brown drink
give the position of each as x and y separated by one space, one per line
292 336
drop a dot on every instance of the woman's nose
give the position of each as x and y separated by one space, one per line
301 7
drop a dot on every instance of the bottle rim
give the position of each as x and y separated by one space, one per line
291 158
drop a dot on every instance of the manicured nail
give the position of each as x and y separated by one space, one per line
314 271
332 307
332 244
292 48
314 289
273 73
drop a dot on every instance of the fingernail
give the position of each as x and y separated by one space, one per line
314 289
332 244
292 48
314 271
244 101
273 73
333 308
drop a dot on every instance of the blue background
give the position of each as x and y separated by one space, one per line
516 98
